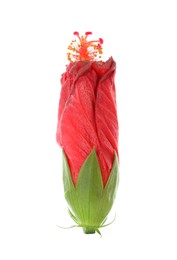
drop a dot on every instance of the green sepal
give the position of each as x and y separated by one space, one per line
89 201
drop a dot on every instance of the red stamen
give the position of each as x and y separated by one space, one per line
85 50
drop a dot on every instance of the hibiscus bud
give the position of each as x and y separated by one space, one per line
87 131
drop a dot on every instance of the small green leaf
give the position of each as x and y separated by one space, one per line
98 231
89 189
111 187
67 180
69 189
73 217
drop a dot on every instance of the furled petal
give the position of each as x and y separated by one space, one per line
107 125
87 115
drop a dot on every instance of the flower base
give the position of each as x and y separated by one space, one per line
89 230
89 201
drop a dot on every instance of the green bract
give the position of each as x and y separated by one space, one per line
89 201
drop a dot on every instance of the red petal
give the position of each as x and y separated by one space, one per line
107 125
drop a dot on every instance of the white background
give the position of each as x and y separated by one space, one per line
142 38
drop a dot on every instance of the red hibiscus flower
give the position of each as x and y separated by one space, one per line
87 115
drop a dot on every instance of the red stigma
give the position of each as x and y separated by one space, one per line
101 40
88 33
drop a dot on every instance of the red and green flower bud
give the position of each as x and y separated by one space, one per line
87 131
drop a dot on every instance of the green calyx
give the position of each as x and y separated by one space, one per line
89 201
